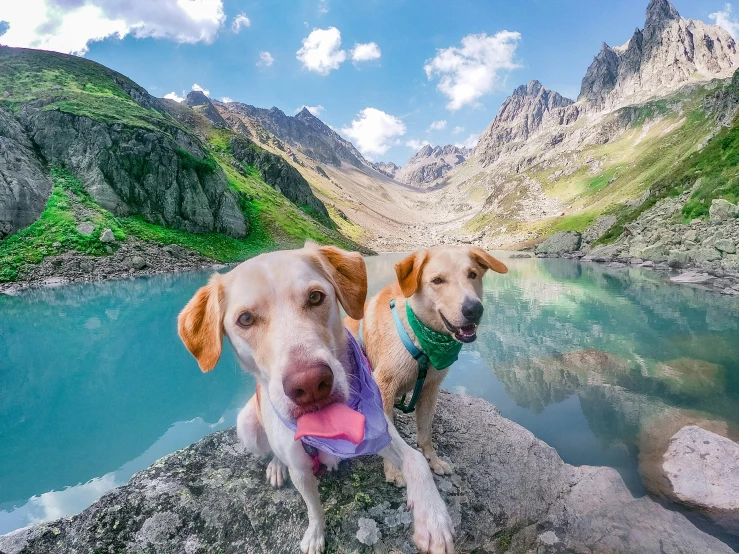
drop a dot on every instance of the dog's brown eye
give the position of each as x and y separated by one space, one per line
245 320
316 297
472 275
437 280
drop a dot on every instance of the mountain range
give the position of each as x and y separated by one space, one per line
255 177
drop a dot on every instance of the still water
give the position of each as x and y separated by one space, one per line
600 363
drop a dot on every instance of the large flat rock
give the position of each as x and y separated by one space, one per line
510 489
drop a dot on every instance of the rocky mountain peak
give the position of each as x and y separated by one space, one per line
659 11
196 98
667 53
203 105
431 163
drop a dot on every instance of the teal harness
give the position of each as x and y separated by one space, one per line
421 359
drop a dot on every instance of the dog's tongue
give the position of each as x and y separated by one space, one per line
335 421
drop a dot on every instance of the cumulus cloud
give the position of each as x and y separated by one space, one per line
315 110
70 26
227 99
365 52
373 131
437 125
174 96
239 22
416 144
265 59
457 130
321 51
470 142
476 68
723 19
201 89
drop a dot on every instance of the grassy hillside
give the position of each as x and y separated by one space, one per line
70 84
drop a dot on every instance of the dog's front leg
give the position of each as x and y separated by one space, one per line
389 390
425 410
307 485
432 527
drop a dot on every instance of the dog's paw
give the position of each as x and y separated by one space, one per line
329 460
313 541
276 473
439 466
393 475
433 531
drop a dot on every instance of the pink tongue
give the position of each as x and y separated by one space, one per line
335 421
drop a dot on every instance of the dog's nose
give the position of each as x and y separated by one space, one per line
308 384
472 309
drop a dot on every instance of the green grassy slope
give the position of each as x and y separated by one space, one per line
84 88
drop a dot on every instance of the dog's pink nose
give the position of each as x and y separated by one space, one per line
308 384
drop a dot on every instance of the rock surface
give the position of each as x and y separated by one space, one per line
431 163
668 52
559 243
509 490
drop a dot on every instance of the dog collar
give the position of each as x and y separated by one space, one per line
364 397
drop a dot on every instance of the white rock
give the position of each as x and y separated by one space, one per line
85 228
107 236
692 277
703 468
368 532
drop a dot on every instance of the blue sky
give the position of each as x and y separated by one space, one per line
553 42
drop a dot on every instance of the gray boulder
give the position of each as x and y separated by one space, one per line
725 245
107 237
560 243
722 210
86 228
509 488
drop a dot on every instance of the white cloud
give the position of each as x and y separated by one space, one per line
416 144
437 125
173 96
70 26
322 6
723 19
365 52
239 22
265 59
373 131
457 130
468 72
470 142
321 51
201 89
227 99
315 110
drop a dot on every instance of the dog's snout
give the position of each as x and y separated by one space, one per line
308 384
472 309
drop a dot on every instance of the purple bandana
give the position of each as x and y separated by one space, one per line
364 397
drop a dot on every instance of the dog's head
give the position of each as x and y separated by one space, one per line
280 312
446 285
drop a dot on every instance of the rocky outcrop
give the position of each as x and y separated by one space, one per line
303 131
280 175
669 52
431 163
167 178
559 243
510 492
386 168
528 110
202 104
24 182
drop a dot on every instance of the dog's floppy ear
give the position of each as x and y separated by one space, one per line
347 272
409 270
486 260
200 324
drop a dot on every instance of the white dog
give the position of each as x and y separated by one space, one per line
280 312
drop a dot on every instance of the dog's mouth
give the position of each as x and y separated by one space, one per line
466 333
334 398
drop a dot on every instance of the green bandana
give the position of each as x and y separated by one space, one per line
442 350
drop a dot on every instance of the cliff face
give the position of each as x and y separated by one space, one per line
530 109
431 163
510 492
131 157
668 52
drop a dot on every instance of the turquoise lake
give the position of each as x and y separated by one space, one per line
595 361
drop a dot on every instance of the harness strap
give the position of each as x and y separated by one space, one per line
418 355
361 338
